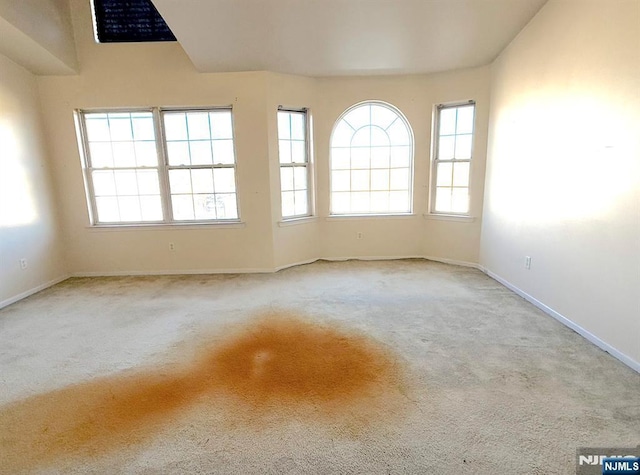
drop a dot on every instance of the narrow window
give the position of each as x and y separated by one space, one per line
159 166
295 176
371 161
452 158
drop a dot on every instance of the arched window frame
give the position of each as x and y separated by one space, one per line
390 210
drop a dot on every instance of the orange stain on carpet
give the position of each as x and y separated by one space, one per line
278 364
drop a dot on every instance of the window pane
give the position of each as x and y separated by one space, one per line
97 129
445 148
380 157
146 155
151 208
148 182
380 179
107 209
360 202
126 182
286 178
461 174
221 127
198 125
178 153
399 178
297 126
226 206
202 181
460 200
285 151
124 155
342 134
399 202
284 125
360 158
341 180
340 158
121 129
463 146
465 120
103 183
382 116
444 174
443 200
182 207
301 202
204 206
300 178
341 202
360 180
143 128
288 204
379 137
380 201
298 152
447 121
223 152
100 154
175 126
400 157
180 181
399 133
362 138
224 180
359 117
129 207
200 152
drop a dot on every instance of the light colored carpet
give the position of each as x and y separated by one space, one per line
350 367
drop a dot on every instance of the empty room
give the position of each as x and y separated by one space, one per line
324 237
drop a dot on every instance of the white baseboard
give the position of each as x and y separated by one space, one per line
126 273
27 293
630 362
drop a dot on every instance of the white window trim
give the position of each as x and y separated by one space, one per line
163 168
300 218
408 213
435 135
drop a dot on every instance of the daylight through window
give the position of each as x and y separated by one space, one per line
371 161
294 163
133 176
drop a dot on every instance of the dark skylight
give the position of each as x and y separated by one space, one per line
127 21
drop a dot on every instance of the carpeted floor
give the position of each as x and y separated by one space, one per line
334 367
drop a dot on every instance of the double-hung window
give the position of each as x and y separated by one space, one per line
453 146
295 170
158 166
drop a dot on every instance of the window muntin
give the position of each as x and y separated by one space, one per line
452 158
371 161
134 176
293 152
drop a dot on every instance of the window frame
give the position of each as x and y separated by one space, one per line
403 118
308 164
438 108
162 167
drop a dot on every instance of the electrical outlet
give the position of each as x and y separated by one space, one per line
172 246
23 263
527 262
358 235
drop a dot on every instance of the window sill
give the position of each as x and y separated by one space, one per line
357 217
450 217
296 221
165 226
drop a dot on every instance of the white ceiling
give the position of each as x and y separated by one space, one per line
344 37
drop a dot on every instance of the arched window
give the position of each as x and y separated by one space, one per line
371 161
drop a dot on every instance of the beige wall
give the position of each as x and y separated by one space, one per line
563 177
126 75
29 225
